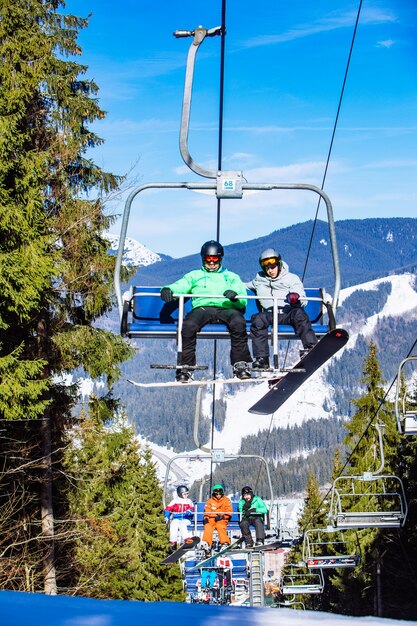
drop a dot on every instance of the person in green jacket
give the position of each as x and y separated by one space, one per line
253 510
212 279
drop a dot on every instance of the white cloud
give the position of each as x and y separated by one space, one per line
386 43
333 21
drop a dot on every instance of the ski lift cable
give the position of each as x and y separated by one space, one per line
339 106
359 441
333 134
264 450
219 167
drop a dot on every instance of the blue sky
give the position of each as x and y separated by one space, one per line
285 63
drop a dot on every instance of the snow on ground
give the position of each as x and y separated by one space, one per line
402 299
36 609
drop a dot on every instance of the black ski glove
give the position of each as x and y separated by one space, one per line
231 295
218 518
167 295
205 521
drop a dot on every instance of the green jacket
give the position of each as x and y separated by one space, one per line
256 503
211 283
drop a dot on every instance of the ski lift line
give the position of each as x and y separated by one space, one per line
211 185
333 135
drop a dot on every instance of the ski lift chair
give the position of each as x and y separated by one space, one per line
406 416
369 500
291 603
141 312
297 579
328 548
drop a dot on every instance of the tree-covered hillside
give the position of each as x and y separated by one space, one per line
368 249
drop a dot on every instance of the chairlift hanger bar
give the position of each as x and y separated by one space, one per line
199 35
226 185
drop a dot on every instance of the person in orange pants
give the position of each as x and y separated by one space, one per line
217 513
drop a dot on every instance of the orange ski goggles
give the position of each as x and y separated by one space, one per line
273 262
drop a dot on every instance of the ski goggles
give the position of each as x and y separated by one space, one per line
212 259
270 263
218 491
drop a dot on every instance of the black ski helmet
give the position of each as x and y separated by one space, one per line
270 253
212 248
181 489
247 489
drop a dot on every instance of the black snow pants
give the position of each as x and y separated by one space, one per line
245 524
295 317
236 325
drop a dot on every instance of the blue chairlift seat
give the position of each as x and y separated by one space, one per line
197 525
147 316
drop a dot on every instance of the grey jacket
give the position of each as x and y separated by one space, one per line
284 283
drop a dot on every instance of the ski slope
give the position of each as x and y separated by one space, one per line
21 609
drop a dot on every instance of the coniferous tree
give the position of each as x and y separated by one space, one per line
121 535
358 591
55 272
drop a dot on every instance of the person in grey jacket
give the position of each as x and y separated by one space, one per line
275 279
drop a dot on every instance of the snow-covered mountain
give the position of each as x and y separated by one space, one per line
135 253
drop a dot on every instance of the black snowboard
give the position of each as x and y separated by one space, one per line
188 544
285 387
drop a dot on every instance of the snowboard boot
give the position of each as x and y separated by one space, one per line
183 376
260 363
241 370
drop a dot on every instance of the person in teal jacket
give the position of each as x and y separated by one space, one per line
212 279
253 510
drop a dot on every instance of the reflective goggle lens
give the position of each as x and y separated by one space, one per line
270 262
218 491
211 259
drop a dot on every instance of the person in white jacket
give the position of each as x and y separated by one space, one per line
179 513
275 279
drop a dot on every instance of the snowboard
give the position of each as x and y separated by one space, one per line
188 544
206 562
283 388
218 381
265 547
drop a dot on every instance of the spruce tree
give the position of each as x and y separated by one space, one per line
55 270
358 591
121 535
